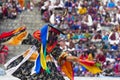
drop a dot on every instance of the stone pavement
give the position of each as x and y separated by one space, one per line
31 19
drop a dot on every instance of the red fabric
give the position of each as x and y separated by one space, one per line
101 58
116 69
83 57
86 62
6 34
113 37
36 35
51 47
4 10
98 36
54 30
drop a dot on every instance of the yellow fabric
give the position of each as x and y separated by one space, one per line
18 29
16 40
42 59
90 57
68 36
68 70
93 69
82 11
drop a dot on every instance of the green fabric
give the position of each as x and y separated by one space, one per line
75 37
87 35
98 64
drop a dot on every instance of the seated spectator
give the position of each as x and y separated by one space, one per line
104 46
113 37
75 36
82 37
3 53
75 26
96 37
100 57
82 10
111 5
13 13
105 37
68 5
117 69
108 69
64 25
87 34
118 56
70 19
114 47
4 10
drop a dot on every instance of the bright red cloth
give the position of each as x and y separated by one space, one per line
6 34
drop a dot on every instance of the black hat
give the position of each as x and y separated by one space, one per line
56 30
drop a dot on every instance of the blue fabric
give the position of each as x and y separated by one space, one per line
105 38
81 36
75 27
114 47
83 69
38 65
43 36
111 4
68 4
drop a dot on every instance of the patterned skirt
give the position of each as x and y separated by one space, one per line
24 71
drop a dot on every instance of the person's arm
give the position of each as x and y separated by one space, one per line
72 58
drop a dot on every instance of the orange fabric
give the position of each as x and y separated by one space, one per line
67 68
33 56
22 3
16 40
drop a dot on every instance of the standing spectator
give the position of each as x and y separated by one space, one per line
3 53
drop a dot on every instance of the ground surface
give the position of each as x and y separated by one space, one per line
31 19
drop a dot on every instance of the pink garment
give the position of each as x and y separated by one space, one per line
4 50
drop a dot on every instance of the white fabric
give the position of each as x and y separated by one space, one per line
90 21
52 19
114 41
33 69
13 69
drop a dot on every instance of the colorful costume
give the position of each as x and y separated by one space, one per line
42 60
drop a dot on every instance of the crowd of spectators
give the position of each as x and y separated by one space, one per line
92 30
11 8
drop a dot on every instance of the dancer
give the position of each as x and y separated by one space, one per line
32 64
